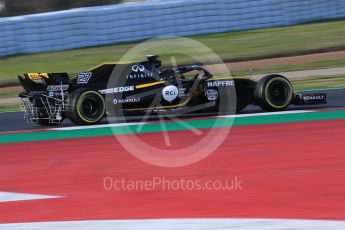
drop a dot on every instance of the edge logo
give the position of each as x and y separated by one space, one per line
117 90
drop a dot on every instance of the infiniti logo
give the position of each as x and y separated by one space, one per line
138 68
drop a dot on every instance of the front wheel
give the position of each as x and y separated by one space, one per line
86 107
273 93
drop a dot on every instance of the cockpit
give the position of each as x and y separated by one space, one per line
191 72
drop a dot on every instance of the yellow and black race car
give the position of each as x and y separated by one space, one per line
142 87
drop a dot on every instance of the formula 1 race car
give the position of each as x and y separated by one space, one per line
135 88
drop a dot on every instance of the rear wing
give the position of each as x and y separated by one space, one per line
43 81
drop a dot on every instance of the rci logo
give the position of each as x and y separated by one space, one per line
170 93
138 68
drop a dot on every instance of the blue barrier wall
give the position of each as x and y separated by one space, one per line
129 22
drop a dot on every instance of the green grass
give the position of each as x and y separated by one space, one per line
9 108
234 45
293 67
10 94
319 82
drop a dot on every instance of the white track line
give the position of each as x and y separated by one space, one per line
267 113
138 123
97 126
178 224
14 196
322 89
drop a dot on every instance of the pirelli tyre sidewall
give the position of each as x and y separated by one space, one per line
86 107
273 93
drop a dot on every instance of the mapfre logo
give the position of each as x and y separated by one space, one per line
138 68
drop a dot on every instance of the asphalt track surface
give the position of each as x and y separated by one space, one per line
13 121
292 170
292 178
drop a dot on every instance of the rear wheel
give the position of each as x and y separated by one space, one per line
273 93
86 107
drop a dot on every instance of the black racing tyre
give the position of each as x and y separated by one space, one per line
273 93
86 107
